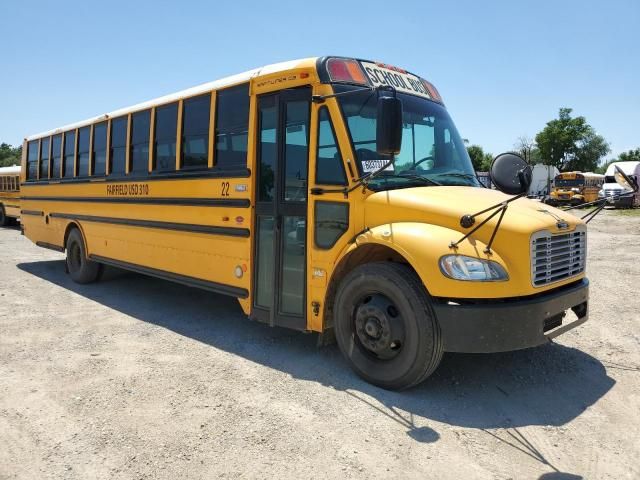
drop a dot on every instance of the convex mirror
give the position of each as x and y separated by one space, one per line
510 173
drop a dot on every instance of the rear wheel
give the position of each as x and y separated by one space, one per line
80 268
4 220
385 326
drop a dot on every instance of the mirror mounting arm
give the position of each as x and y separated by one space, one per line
591 215
466 221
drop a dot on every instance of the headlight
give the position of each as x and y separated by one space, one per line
461 267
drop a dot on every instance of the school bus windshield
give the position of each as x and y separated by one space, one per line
569 182
431 145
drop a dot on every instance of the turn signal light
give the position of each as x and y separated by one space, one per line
341 70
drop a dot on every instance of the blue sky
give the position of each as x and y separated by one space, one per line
504 68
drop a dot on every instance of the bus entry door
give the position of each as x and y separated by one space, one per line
281 208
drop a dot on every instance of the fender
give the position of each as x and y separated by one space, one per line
422 245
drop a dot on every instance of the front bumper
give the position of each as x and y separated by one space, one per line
623 201
511 325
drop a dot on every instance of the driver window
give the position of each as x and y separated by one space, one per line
329 169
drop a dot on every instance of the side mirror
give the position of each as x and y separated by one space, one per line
623 180
389 126
510 173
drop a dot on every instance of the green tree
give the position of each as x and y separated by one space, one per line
630 156
570 143
481 161
10 155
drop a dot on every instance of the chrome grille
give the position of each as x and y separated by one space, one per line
556 257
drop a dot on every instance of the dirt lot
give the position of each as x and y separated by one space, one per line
138 378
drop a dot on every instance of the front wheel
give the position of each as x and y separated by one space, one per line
80 268
385 326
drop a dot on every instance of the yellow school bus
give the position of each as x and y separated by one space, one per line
575 188
330 195
9 195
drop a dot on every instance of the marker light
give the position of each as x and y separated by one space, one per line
433 92
391 67
341 70
461 267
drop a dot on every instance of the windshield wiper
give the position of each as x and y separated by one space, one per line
411 176
455 174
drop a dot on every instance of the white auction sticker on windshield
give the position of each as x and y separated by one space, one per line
402 81
370 166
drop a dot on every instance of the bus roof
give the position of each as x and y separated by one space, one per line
189 92
14 169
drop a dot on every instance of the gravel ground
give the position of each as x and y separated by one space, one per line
138 378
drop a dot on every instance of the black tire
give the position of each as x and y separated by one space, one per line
79 267
4 220
385 326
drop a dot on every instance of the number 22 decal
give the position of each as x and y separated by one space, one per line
225 189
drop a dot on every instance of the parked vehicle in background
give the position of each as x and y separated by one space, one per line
542 180
9 194
575 188
612 188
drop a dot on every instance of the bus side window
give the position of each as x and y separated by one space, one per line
69 153
118 148
232 126
195 132
44 158
329 166
140 124
164 143
99 149
32 160
56 155
83 151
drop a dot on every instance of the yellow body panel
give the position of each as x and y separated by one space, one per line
150 222
200 255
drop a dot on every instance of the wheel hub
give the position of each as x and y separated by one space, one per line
373 328
378 326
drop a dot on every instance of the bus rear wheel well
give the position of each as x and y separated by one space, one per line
68 230
365 254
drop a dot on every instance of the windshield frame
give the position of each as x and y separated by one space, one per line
380 182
